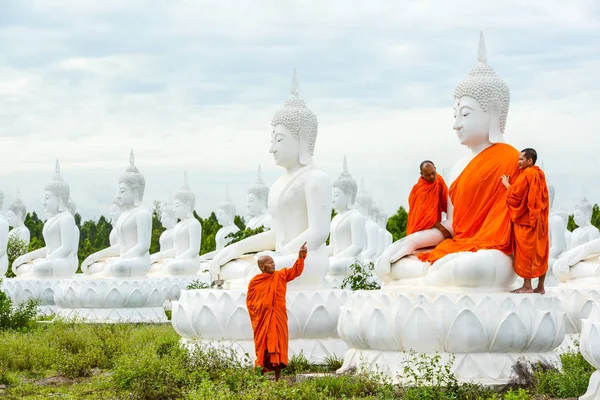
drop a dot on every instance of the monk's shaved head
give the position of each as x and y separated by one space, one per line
428 171
266 264
424 163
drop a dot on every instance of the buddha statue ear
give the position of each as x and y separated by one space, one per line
304 156
495 135
61 205
136 198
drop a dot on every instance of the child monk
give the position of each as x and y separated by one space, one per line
527 201
266 305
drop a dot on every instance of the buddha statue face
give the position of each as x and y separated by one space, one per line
341 200
582 216
52 203
285 147
14 219
224 217
254 206
472 123
181 209
127 196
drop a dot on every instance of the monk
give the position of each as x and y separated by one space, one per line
268 314
527 201
427 200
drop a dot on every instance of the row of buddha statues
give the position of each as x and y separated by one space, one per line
299 203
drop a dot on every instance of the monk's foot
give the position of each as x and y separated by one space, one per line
539 290
523 290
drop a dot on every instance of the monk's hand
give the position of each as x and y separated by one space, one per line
506 181
303 251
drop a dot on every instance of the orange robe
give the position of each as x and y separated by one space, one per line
426 203
480 218
527 202
266 305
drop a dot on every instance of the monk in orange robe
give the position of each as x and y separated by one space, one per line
427 200
527 201
480 218
268 314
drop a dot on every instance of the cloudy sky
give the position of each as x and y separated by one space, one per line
192 85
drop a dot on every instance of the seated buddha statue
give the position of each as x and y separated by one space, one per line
183 258
3 240
225 216
299 203
348 236
134 230
385 237
16 219
581 262
256 204
59 257
365 205
478 255
557 231
165 241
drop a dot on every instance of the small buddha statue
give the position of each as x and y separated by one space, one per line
16 219
478 256
59 257
385 237
3 240
581 262
225 216
256 204
299 203
183 258
348 236
72 208
167 249
115 213
365 205
557 231
134 230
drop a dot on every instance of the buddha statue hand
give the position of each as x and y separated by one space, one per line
382 265
91 259
228 253
19 261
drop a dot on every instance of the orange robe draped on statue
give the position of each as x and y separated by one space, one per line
480 218
266 305
426 203
527 201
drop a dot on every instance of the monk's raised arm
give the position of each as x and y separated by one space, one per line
295 271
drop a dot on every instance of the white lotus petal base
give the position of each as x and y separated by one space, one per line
19 290
111 300
590 350
593 391
221 317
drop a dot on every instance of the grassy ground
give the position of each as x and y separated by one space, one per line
146 362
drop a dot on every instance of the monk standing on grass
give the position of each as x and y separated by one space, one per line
527 201
427 200
268 314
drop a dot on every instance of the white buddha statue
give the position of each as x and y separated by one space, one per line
364 202
299 203
59 257
16 219
582 259
478 255
557 222
167 249
183 258
385 237
256 204
3 240
134 230
225 216
348 236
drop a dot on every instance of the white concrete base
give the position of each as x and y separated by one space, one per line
20 290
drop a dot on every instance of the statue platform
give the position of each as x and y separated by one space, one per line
220 317
484 333
111 300
20 290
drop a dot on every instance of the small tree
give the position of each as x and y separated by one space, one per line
15 248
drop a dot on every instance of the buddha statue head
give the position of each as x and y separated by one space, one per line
115 211
71 206
226 211
167 215
294 131
16 213
383 220
374 215
131 186
184 201
363 200
56 193
344 190
582 214
258 194
481 104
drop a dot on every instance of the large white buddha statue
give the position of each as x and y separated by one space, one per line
59 257
186 236
165 241
581 262
134 230
348 236
225 216
16 219
478 257
385 237
3 240
557 222
256 204
299 203
364 202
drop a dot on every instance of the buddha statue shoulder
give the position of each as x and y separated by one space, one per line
3 240
581 262
61 235
478 256
257 211
348 235
299 203
186 235
365 206
16 219
130 256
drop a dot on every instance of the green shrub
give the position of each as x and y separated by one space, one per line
360 278
572 381
15 247
19 317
